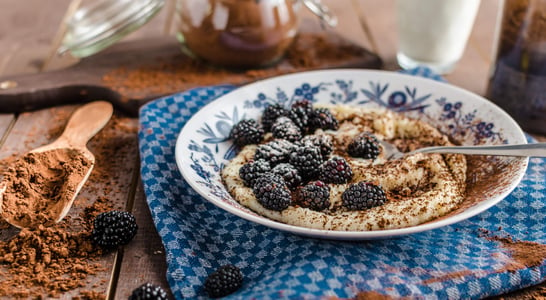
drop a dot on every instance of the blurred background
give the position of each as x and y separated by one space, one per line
31 33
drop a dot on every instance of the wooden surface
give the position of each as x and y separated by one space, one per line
103 75
30 32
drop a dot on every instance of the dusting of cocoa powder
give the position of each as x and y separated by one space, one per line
522 254
308 51
313 50
52 259
60 261
40 184
371 295
448 276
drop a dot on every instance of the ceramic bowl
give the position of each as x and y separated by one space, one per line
203 147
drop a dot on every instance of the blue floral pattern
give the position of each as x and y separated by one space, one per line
454 120
303 92
454 115
198 236
458 123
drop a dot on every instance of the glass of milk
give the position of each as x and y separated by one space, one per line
434 33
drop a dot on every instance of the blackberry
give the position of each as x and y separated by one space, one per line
148 291
272 192
250 171
114 228
269 177
365 146
314 195
335 170
306 105
363 195
284 128
322 118
289 173
224 281
271 113
322 141
246 132
275 152
300 116
307 159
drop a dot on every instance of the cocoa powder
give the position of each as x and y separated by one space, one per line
522 254
52 259
40 184
313 50
255 33
371 295
308 51
61 261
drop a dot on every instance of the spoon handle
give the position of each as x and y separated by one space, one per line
85 122
530 150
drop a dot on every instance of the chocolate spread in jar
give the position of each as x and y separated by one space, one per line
237 33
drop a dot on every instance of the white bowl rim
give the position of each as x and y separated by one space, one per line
356 235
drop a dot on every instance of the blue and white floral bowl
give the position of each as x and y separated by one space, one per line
203 147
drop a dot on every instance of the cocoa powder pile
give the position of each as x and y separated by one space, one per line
61 260
40 184
51 259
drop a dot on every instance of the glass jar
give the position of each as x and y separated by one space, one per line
104 22
237 33
518 77
232 33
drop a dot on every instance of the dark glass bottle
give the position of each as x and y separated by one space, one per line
518 77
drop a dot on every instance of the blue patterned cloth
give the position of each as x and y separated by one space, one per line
199 237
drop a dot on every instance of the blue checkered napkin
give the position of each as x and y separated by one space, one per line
199 237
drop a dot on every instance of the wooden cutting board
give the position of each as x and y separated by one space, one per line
130 74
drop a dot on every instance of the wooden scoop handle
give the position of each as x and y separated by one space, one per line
87 121
84 123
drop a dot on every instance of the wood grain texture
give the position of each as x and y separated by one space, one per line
42 127
27 33
144 258
84 81
5 123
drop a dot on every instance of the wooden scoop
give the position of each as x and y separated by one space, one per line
45 196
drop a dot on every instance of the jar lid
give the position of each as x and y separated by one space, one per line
103 23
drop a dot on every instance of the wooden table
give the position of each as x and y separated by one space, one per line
30 33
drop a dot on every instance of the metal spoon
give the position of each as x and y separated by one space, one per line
84 123
528 150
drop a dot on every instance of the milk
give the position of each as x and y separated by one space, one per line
434 32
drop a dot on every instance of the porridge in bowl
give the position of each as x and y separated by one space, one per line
322 167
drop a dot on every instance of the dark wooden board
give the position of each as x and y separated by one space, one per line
101 76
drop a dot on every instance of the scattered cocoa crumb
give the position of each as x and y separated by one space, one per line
448 276
312 50
6 162
60 260
50 259
524 254
370 295
89 295
309 51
